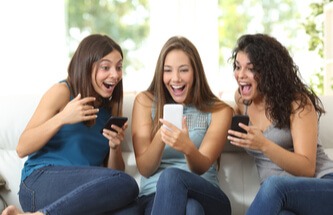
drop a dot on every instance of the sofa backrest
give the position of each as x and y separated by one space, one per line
129 97
325 123
14 120
15 113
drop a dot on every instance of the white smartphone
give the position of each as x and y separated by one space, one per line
173 113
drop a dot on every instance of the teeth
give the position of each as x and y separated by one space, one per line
177 87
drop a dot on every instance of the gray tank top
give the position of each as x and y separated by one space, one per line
282 137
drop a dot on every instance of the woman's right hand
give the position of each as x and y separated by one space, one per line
78 110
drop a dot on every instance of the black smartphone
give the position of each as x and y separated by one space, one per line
115 120
239 119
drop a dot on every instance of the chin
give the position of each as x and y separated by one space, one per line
178 100
247 97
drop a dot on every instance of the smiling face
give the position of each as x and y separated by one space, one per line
178 75
244 75
107 73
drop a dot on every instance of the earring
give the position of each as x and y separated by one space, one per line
110 98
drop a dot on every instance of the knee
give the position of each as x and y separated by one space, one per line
169 177
129 184
170 173
274 184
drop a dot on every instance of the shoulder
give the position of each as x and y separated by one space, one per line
302 109
223 110
59 90
57 96
144 97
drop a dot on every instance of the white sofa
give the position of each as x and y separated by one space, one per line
238 175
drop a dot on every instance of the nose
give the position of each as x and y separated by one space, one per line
175 76
241 73
114 74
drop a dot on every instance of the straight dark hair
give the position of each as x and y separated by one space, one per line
89 52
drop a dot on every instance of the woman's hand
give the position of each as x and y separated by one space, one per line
115 138
78 110
253 139
175 137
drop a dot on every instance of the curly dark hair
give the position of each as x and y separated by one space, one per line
278 77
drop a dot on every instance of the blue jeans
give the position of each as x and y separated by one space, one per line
144 204
294 195
77 190
179 192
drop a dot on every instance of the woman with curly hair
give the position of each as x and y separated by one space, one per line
296 175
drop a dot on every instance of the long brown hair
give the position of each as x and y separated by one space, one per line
201 96
92 49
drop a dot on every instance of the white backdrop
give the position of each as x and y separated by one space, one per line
33 49
33 52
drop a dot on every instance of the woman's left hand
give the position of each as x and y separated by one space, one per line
115 137
253 139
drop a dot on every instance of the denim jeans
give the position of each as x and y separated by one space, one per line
294 195
76 190
179 192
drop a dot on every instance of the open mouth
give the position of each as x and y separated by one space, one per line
177 89
245 88
108 85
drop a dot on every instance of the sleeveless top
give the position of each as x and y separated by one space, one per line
73 145
198 123
283 138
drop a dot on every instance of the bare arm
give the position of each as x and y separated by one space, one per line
301 162
148 149
200 160
53 111
115 159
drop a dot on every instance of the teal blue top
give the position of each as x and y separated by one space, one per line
198 123
73 145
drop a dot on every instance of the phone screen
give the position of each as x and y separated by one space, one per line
239 119
173 113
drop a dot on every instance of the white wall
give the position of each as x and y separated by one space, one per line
194 19
328 48
33 52
33 49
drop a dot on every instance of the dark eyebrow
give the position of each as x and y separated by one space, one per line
249 63
102 60
184 65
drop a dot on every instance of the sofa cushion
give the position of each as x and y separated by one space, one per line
325 125
127 111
